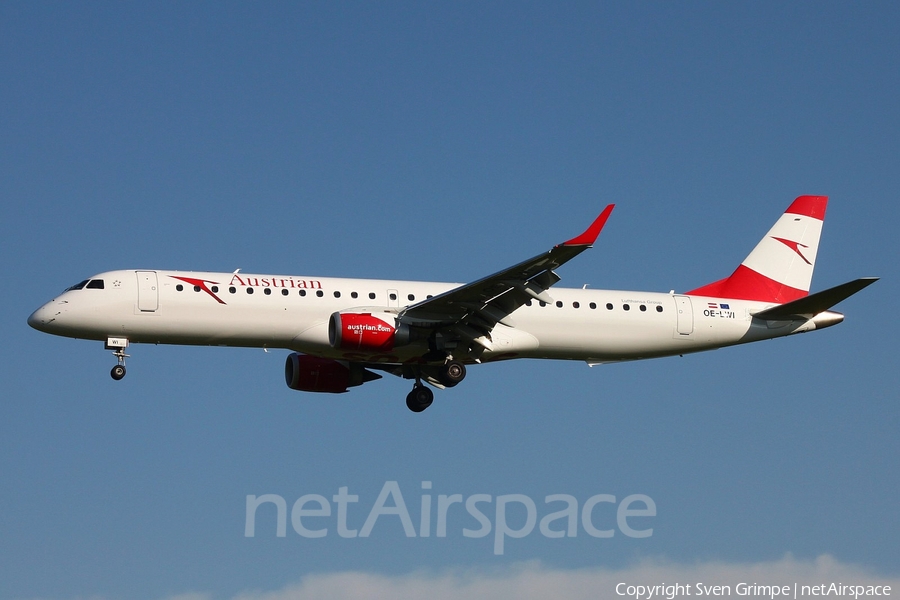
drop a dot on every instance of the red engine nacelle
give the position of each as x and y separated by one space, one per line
366 332
313 374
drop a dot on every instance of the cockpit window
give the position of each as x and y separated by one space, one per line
95 284
77 286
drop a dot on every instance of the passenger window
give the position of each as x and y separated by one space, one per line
196 288
215 289
232 290
626 307
337 294
576 305
320 293
267 291
354 295
643 308
302 292
609 306
179 287
559 304
593 305
411 297
371 295
284 292
659 308
393 296
249 290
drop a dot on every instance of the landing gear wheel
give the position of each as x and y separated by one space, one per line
452 373
419 398
118 345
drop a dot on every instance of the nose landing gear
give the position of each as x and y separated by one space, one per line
117 372
118 345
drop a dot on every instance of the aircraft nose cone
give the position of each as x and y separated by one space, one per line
41 318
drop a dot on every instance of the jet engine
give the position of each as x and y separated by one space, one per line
366 332
307 373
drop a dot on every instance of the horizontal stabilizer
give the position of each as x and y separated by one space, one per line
809 306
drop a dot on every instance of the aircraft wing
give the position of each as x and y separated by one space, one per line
471 311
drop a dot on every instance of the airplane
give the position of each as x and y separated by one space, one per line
343 332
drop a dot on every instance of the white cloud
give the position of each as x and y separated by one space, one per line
533 580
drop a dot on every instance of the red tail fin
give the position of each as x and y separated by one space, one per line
780 268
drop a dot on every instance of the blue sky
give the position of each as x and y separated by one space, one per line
406 141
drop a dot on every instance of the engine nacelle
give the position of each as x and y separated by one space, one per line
307 373
366 332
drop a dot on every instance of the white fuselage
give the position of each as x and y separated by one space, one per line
225 309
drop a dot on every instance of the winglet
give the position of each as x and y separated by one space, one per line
590 234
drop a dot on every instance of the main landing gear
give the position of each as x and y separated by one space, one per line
118 345
452 373
421 396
